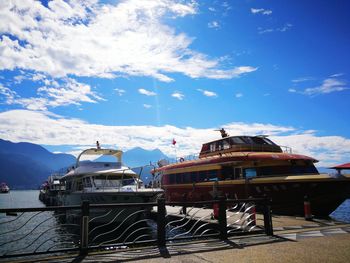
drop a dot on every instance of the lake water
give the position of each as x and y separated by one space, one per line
20 199
30 231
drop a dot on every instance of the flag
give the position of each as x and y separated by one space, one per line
174 142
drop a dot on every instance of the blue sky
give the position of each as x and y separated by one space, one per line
139 73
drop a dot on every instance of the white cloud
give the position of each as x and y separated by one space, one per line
213 24
226 6
147 106
238 95
208 93
336 75
227 74
260 11
178 95
302 79
8 94
328 85
53 94
120 92
50 129
284 28
71 92
329 150
87 38
147 92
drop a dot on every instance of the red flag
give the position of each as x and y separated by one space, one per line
174 142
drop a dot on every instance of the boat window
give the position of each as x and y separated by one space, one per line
226 144
194 177
250 173
130 181
202 176
186 178
205 148
99 183
258 140
87 182
248 140
178 178
268 141
220 145
237 173
212 175
172 178
227 172
236 140
287 170
79 185
301 169
213 147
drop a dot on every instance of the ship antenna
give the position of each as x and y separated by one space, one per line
224 134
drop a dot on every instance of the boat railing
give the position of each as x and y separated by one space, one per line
180 159
286 149
27 232
236 148
245 148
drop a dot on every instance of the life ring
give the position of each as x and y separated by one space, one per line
182 160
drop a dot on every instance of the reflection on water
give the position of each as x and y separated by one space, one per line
34 232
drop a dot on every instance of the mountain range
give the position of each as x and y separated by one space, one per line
26 165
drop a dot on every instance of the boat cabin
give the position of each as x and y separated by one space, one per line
99 175
239 144
91 183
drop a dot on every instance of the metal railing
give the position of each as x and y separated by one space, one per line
235 148
89 227
246 148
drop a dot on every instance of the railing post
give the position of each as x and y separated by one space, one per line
268 218
161 222
84 227
222 218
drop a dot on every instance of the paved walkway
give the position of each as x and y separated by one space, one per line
333 248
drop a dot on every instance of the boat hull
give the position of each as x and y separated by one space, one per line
4 190
287 194
115 215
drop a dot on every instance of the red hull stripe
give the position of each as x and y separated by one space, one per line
241 157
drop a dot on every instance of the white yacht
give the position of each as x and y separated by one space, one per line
4 188
104 182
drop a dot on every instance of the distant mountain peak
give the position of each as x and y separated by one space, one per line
138 156
26 165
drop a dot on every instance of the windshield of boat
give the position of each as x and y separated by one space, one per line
112 181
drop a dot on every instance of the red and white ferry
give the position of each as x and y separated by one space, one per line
253 166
